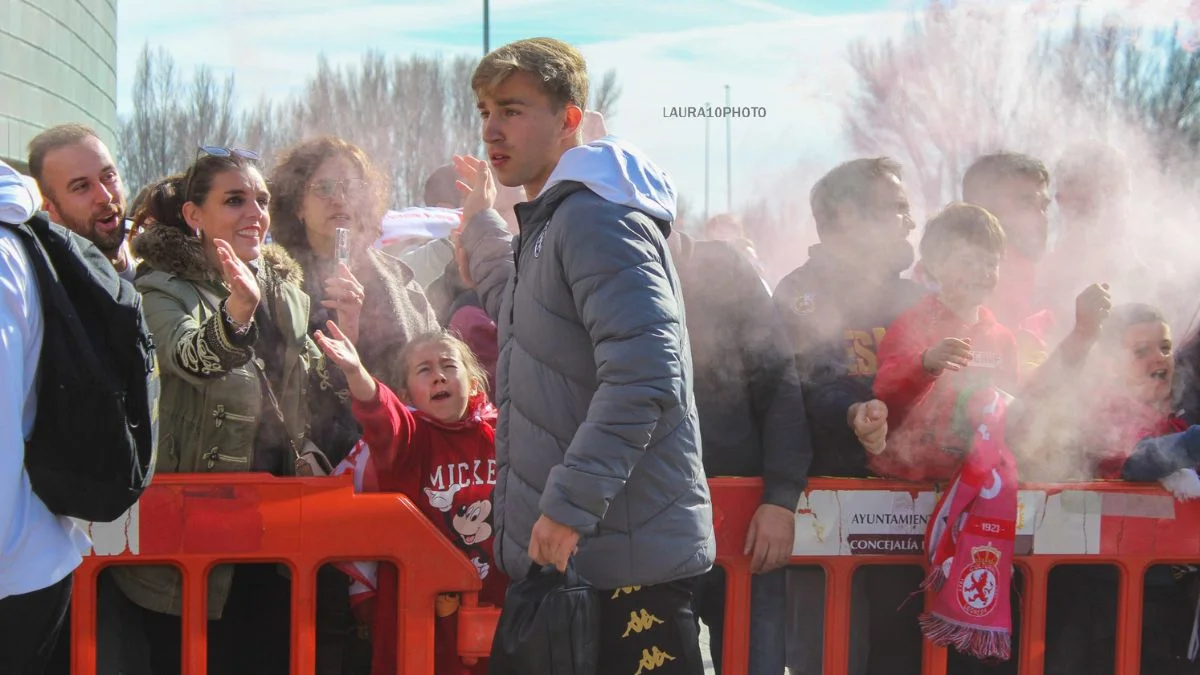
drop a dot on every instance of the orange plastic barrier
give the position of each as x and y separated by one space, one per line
845 524
199 521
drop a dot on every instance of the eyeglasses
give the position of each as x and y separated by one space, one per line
325 189
214 151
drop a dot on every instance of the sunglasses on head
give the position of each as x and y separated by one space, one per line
325 189
214 151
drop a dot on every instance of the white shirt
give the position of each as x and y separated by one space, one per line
37 548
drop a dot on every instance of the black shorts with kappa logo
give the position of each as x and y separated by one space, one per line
650 630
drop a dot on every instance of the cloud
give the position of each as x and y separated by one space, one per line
792 68
669 53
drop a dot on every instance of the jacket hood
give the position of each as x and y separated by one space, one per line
19 196
618 172
169 249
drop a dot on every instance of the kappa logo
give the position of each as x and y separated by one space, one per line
627 590
652 660
977 585
641 622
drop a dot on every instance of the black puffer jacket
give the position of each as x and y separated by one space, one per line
747 392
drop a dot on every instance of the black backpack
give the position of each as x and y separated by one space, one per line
91 453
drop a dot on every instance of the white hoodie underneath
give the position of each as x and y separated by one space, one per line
620 173
37 548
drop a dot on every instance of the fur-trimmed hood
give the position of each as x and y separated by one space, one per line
169 249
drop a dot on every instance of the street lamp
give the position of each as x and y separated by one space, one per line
486 29
728 154
707 106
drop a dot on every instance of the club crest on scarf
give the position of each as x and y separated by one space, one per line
978 583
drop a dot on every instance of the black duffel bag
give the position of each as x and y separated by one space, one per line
550 625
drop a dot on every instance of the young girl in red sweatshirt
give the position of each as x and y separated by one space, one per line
945 348
438 447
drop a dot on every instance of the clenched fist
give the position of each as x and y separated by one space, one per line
869 422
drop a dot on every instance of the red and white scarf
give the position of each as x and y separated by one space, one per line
970 542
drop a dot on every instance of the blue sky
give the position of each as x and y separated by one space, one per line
785 56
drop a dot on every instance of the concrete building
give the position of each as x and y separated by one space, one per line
58 63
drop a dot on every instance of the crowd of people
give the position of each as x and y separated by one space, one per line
591 364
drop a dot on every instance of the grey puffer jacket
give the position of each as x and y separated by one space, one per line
598 427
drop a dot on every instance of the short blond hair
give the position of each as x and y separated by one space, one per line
961 223
559 67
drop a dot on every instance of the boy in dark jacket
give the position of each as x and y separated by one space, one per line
751 424
944 347
836 309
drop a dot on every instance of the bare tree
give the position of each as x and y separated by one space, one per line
955 86
969 79
410 115
270 127
606 94
171 118
1161 89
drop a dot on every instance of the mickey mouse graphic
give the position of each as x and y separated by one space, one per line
471 522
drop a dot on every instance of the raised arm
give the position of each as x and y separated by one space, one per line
488 249
388 425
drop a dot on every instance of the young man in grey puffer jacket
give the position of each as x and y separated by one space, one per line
598 444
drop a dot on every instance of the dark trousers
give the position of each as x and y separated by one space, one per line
131 640
252 636
895 634
30 625
650 630
1081 622
768 605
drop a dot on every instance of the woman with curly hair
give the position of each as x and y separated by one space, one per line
318 186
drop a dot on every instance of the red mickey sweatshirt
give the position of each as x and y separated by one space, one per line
449 472
923 443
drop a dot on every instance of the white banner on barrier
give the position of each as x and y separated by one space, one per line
886 522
